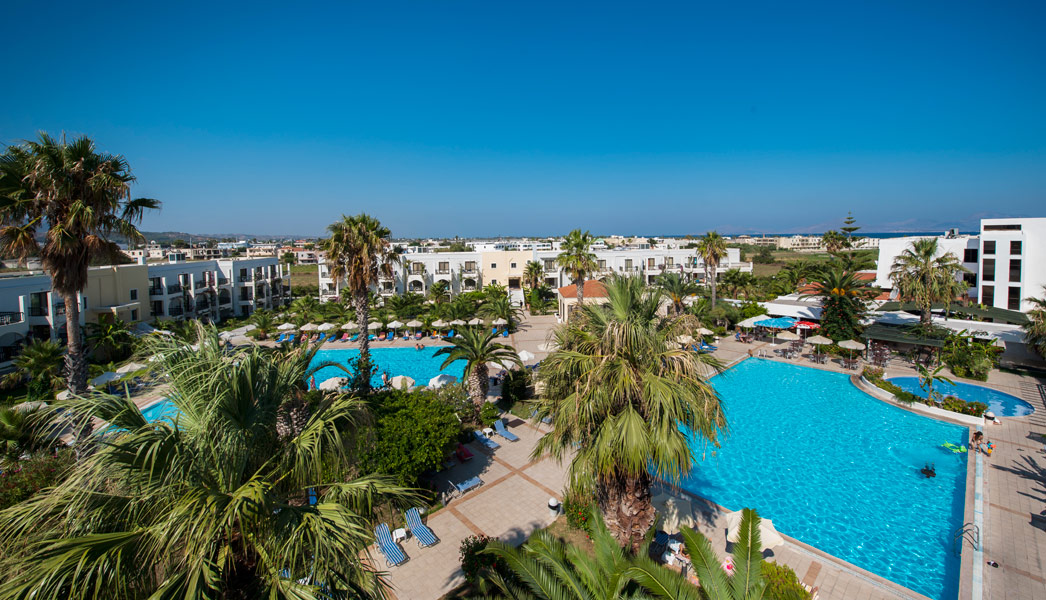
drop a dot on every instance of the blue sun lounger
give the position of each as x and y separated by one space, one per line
394 555
290 339
505 333
485 441
282 337
420 531
499 427
468 484
450 334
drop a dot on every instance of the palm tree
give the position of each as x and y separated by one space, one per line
306 306
109 340
359 251
1035 328
921 276
501 308
439 291
406 306
546 568
40 361
263 323
533 273
82 197
213 503
834 241
843 297
798 271
23 431
616 390
928 378
578 260
712 249
677 289
477 347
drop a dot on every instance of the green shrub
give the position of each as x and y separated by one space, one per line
515 387
782 583
488 414
473 560
21 480
578 510
875 376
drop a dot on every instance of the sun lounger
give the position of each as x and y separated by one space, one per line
406 337
282 337
499 427
391 337
417 335
504 333
394 555
372 337
469 484
463 453
354 337
421 532
485 441
322 338
290 339
449 335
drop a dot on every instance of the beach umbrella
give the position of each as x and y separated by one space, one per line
326 327
703 331
349 326
402 382
414 323
684 339
287 327
751 322
525 356
439 323
334 383
807 325
64 395
374 325
818 340
851 345
104 378
676 512
457 322
788 335
310 327
475 322
777 323
768 535
499 321
130 368
395 325
441 380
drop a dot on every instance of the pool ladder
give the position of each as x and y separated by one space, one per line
968 532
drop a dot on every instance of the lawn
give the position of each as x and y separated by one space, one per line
304 275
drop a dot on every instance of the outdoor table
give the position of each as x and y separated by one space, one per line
488 431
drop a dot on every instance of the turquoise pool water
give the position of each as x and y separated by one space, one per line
419 365
164 409
1000 403
839 470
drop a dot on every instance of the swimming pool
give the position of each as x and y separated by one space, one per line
1000 403
839 470
419 365
164 409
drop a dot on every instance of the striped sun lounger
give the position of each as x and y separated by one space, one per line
394 555
420 531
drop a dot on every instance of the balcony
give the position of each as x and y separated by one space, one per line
37 311
11 317
469 270
175 311
442 271
174 289
59 310
199 283
223 281
156 291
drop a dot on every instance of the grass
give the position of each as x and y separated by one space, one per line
304 275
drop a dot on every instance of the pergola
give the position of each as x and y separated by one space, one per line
998 315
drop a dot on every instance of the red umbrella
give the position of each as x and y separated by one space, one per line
807 325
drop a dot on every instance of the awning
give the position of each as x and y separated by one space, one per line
888 333
1000 315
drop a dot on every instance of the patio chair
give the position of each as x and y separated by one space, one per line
504 333
354 337
485 441
322 338
499 427
421 532
418 336
463 453
450 334
394 555
372 337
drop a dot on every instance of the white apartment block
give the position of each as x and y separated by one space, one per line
469 271
28 308
214 290
1004 261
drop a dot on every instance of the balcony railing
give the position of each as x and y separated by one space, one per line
175 311
442 271
223 281
156 291
10 317
59 310
174 289
199 283
37 311
469 271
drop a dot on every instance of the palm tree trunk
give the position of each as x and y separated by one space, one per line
580 283
627 508
359 299
75 360
712 273
479 383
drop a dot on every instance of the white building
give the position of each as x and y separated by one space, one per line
28 308
1005 261
214 290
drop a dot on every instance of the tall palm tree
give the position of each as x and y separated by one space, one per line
798 271
212 503
477 347
109 340
843 297
533 273
80 198
39 361
577 259
616 390
501 308
677 289
1035 328
439 291
712 249
923 276
834 241
263 323
359 251
547 568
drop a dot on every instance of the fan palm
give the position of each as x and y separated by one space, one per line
843 297
533 273
927 379
921 274
109 340
501 308
80 197
263 324
359 251
212 503
477 347
677 289
39 361
712 249
1035 328
617 390
577 259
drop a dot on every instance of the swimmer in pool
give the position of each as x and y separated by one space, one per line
929 471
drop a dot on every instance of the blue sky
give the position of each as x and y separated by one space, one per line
484 118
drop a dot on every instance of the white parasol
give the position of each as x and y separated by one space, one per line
326 327
349 326
287 327
131 368
395 325
676 512
334 383
441 380
768 535
402 382
525 356
310 327
499 322
475 322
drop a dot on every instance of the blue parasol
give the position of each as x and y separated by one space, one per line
777 323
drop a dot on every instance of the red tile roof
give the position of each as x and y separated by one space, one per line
593 289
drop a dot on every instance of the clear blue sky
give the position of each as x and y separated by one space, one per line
482 118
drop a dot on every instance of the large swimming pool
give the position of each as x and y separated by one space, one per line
839 470
1000 403
419 365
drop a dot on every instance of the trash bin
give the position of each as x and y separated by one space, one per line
553 507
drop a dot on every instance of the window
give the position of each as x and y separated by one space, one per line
670 262
444 267
628 264
650 262
988 270
1015 247
470 265
988 295
602 265
134 314
550 265
493 265
134 294
1015 270
85 304
512 265
1015 227
970 279
969 255
989 247
1013 302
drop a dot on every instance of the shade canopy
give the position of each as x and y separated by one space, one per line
310 327
326 327
64 395
475 322
499 321
788 335
131 368
818 340
439 323
751 321
396 324
349 326
104 378
704 331
684 339
851 345
807 325
287 327
525 356
768 535
414 323
441 380
457 322
374 325
778 323
402 382
675 512
334 383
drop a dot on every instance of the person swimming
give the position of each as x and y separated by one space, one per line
929 471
